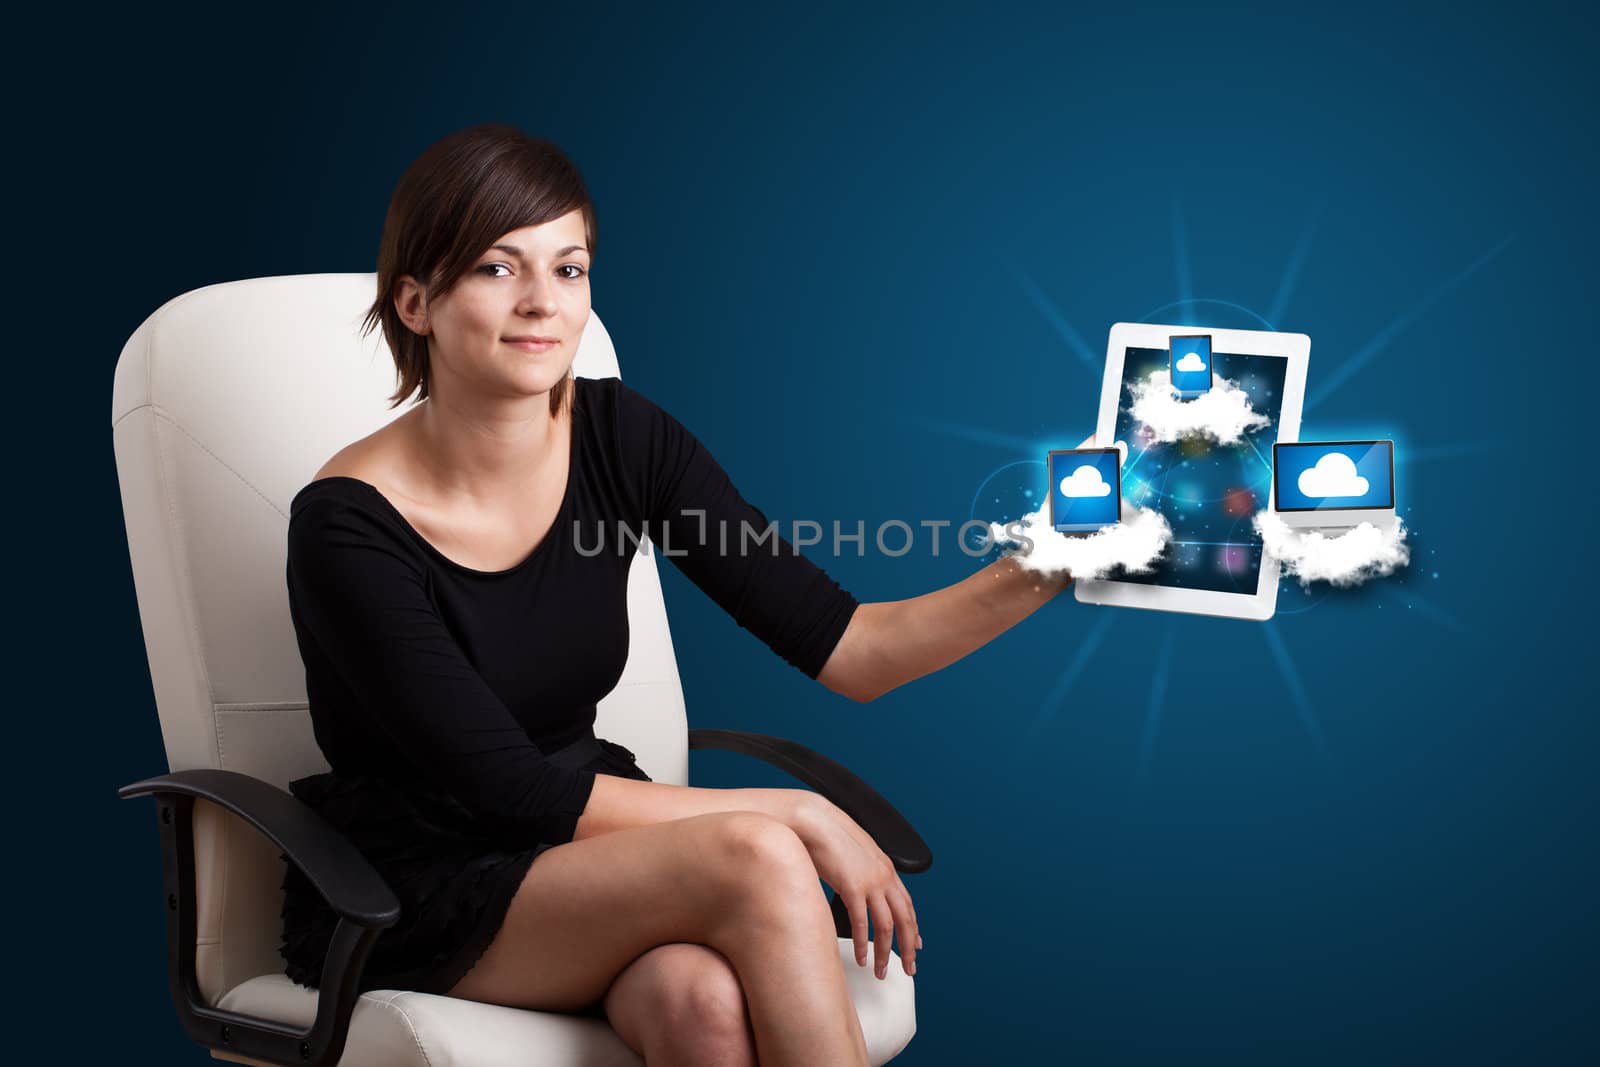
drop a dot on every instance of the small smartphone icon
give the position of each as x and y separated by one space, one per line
1085 488
1190 356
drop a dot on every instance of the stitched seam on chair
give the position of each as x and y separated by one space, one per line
188 581
136 408
150 337
162 414
217 719
263 707
409 1026
199 645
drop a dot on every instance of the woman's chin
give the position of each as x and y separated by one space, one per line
532 385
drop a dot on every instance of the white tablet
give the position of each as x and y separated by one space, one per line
1215 564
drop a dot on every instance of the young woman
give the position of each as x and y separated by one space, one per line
458 628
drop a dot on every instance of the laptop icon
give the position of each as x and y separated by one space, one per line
1333 485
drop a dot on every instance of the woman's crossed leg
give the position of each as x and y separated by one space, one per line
624 915
682 1004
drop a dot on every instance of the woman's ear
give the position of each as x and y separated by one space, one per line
411 304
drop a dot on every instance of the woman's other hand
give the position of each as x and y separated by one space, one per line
863 877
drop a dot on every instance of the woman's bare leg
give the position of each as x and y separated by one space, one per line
740 882
681 1005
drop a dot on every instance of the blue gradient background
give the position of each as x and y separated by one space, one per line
871 259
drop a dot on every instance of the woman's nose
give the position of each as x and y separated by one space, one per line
539 299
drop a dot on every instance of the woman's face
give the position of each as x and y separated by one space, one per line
512 324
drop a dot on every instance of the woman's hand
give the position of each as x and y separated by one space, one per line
863 877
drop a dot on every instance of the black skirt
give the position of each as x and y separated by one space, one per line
453 884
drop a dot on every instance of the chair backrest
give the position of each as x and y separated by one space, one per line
227 400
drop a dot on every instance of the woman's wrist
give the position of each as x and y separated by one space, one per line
803 812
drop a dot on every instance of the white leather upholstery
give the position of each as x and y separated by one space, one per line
226 402
406 1027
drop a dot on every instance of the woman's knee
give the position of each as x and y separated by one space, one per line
683 1003
706 1003
754 842
762 865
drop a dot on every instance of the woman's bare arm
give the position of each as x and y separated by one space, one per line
618 803
892 642
886 645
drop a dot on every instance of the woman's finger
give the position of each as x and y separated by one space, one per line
856 905
907 923
916 927
883 921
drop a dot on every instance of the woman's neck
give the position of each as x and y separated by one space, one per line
484 452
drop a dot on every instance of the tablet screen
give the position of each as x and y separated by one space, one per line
1207 491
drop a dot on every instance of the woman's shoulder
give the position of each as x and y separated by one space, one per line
348 494
360 473
631 424
346 478
614 397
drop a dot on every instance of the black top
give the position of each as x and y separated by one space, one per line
428 673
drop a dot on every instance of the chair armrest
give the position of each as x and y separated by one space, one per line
365 904
893 833
330 862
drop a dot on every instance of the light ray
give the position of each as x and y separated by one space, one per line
1153 312
1052 314
1304 607
1297 690
1180 255
1152 717
973 512
1385 337
1257 451
1297 260
1069 677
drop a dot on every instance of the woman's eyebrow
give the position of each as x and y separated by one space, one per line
515 251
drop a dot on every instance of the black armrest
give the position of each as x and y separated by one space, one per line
365 904
893 833
331 863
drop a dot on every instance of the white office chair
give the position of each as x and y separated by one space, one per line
226 402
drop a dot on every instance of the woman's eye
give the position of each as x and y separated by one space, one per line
491 266
577 270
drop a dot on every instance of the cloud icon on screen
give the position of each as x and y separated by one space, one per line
1191 362
1085 481
1334 475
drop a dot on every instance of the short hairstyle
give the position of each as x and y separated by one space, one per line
460 196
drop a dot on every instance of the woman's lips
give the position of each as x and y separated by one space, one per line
534 344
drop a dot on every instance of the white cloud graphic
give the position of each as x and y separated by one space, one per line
1085 481
1191 361
1133 544
1223 414
1334 475
1355 556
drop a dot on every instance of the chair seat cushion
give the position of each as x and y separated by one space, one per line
401 1028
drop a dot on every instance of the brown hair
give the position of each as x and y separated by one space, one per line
461 195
